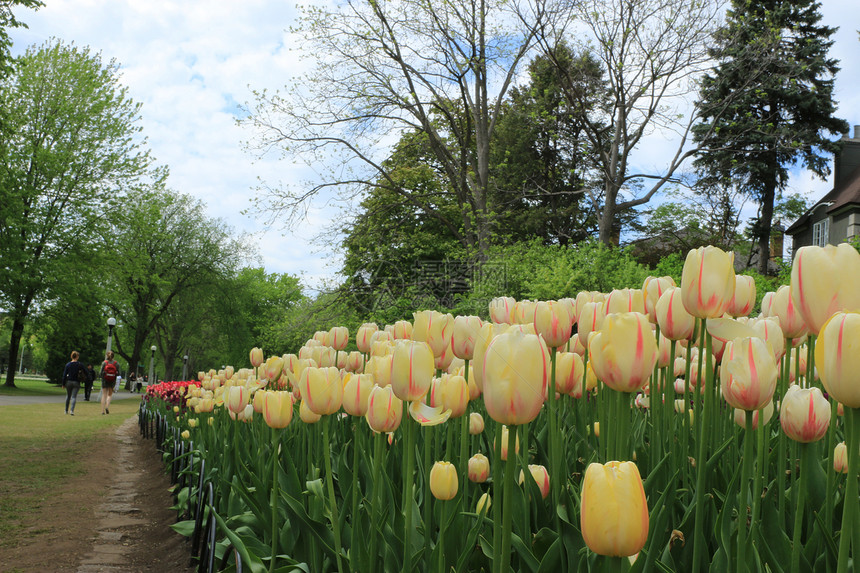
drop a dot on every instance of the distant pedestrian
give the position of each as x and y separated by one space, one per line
109 373
88 385
73 374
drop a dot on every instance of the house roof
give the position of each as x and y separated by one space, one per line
846 193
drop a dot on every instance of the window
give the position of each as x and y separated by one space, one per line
820 233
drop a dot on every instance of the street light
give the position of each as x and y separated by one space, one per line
151 364
185 367
111 323
21 361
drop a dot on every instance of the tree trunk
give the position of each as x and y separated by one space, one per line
607 216
766 221
14 347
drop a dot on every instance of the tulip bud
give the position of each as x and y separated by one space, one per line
356 390
412 369
743 300
256 356
501 309
505 435
614 511
823 281
804 414
837 358
625 300
840 458
277 409
653 288
337 337
476 423
307 415
707 281
479 468
541 477
591 317
624 351
384 409
322 390
463 336
748 374
483 505
516 372
553 321
362 337
443 481
237 398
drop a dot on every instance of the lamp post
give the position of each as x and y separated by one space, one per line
111 323
21 360
152 364
185 367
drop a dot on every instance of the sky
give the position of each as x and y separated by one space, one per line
193 64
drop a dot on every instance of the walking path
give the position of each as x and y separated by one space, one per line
59 398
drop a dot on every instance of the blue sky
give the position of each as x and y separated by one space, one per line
193 64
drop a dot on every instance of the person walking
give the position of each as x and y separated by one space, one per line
88 385
73 374
108 374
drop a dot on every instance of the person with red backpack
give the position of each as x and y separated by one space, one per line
109 372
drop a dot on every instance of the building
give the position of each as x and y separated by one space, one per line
835 218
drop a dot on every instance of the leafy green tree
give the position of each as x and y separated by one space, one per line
8 21
784 117
69 139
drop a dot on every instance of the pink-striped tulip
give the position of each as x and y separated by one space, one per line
837 356
237 398
463 336
840 458
743 300
488 331
271 370
476 423
516 372
748 373
337 337
804 414
790 320
707 281
412 369
402 330
591 317
614 511
277 409
740 416
823 281
501 309
541 477
455 395
362 337
553 321
434 328
569 370
625 300
307 415
256 356
356 389
380 368
624 351
505 436
322 390
654 287
384 410
479 468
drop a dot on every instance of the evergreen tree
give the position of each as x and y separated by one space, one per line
769 103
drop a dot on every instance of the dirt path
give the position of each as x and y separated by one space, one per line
90 526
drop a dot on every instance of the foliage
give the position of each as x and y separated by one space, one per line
8 21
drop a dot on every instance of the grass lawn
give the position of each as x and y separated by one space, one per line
40 446
25 386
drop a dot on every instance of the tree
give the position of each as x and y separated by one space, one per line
385 69
788 115
69 140
163 248
7 21
650 52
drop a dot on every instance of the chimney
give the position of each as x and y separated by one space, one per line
857 132
777 236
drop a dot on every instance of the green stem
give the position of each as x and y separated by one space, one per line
806 461
375 501
407 489
497 499
274 499
507 506
356 447
831 474
554 456
335 523
743 492
760 473
849 508
428 495
699 540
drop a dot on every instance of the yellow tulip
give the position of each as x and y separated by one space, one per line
708 281
614 511
256 356
505 435
479 468
257 401
307 415
476 423
804 414
740 416
783 307
743 300
653 288
591 317
840 458
402 330
434 328
228 372
412 369
485 336
501 309
837 357
553 321
271 370
443 481
455 395
362 337
380 368
384 409
516 371
322 390
463 336
277 409
443 360
484 504
569 370
354 362
541 477
748 373
825 280
237 398
625 300
185 434
356 390
337 337
624 351
192 423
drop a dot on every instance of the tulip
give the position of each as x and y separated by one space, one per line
380 368
840 458
743 299
505 444
741 419
476 423
256 356
402 330
463 336
614 512
483 505
707 281
322 390
653 288
455 395
837 356
277 409
228 372
501 309
823 281
356 390
569 371
479 468
784 308
804 414
541 477
523 312
428 415
307 415
362 337
354 362
768 329
237 398
257 401
625 300
337 337
412 369
485 336
748 374
434 328
516 370
553 321
591 317
185 434
384 409
443 481
443 360
271 370
193 423
624 351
